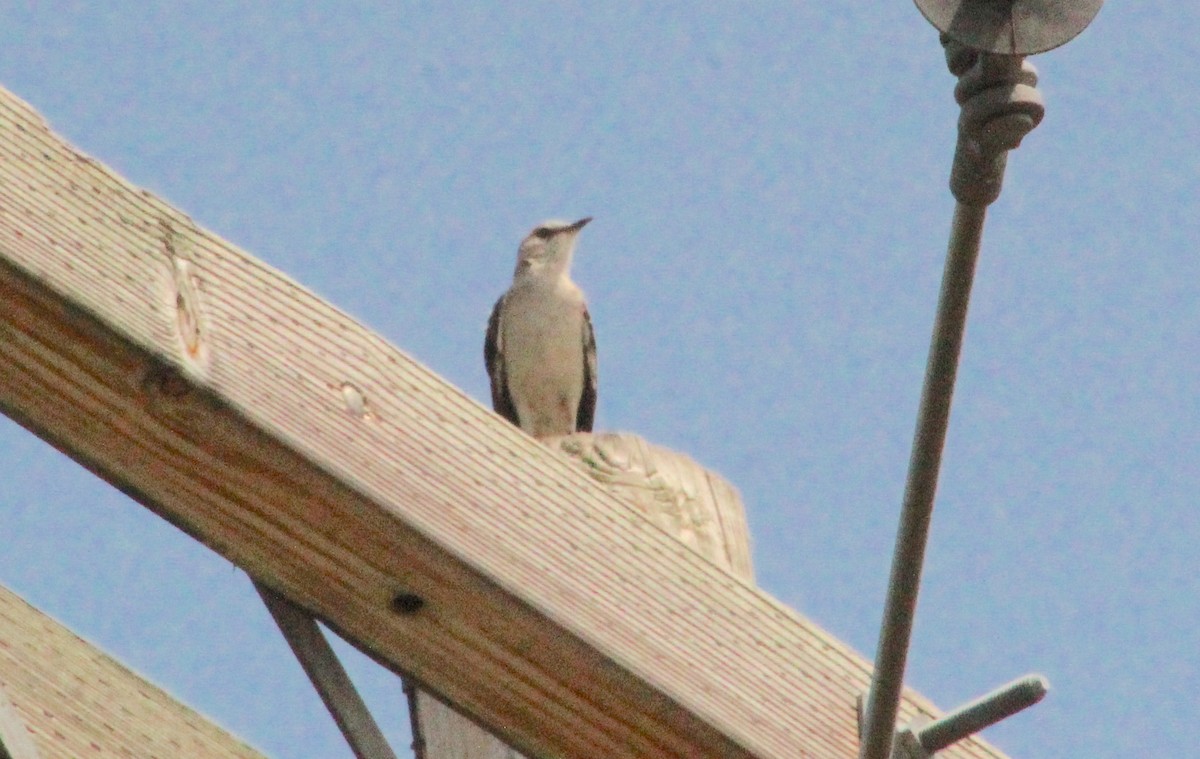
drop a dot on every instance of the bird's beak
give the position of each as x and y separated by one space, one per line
578 225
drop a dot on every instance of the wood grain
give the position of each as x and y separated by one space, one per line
696 506
15 740
72 701
330 465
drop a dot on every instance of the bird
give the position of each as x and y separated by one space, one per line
540 349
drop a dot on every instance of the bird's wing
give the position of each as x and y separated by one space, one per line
493 359
587 401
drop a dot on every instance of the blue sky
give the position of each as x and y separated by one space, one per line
768 181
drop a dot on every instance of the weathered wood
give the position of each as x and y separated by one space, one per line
342 473
446 734
75 701
695 505
328 676
15 742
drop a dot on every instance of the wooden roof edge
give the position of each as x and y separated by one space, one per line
72 698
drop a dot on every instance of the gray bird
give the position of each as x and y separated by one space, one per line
540 350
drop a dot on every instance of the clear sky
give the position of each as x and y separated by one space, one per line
768 181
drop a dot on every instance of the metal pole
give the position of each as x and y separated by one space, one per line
985 48
1000 105
932 418
987 710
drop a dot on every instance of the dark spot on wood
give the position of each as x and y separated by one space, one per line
167 382
407 604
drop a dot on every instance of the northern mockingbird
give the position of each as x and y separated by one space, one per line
540 350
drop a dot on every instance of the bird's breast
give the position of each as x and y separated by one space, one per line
543 347
545 323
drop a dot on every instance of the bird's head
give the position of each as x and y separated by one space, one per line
548 248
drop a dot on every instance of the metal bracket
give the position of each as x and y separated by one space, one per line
922 738
328 676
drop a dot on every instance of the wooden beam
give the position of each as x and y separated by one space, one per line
345 475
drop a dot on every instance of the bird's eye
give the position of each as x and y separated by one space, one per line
543 233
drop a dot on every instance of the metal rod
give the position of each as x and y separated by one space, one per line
987 710
328 676
932 418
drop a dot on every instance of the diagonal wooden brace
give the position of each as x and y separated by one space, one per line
328 676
